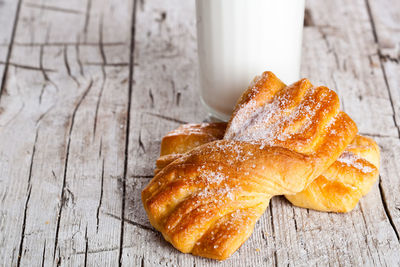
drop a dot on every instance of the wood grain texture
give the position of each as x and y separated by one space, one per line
384 17
70 110
93 85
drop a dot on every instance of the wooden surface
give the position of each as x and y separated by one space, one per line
88 88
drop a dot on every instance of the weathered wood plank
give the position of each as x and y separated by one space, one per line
348 62
16 161
70 109
164 76
9 12
384 16
389 183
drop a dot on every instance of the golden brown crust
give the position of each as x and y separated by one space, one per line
207 201
178 141
191 195
341 186
338 188
185 138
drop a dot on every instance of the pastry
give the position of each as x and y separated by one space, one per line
337 189
187 137
350 177
279 139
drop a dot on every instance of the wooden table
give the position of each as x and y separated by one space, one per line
88 88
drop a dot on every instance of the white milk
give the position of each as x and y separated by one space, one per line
239 39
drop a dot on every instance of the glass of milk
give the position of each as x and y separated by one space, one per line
240 39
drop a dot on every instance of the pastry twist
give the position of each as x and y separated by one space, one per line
337 189
280 138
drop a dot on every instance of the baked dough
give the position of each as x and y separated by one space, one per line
280 138
337 189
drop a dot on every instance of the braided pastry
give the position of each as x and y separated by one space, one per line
280 138
338 188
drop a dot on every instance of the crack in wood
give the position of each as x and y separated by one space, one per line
363 216
10 48
53 8
101 147
82 97
273 234
104 75
54 175
376 39
294 219
371 61
264 235
87 18
389 58
44 253
100 250
371 22
27 67
78 59
386 209
390 97
117 64
44 73
12 257
329 46
166 118
139 225
100 198
59 258
151 98
42 92
142 176
101 47
4 197
95 44
127 129
86 247
14 116
308 19
97 251
44 114
141 5
29 190
162 18
178 98
69 197
68 68
141 145
21 244
378 135
173 87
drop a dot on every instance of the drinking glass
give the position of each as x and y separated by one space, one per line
239 39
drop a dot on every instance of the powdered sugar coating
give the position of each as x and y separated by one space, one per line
289 119
355 161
